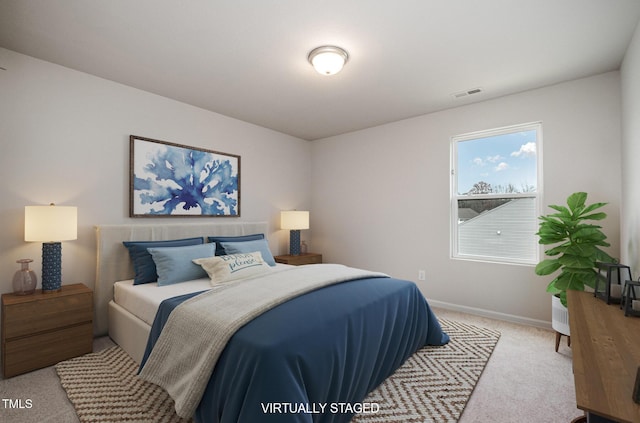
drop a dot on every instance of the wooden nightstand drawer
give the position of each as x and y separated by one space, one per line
309 258
39 330
47 313
34 352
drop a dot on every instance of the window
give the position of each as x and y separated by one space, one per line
495 194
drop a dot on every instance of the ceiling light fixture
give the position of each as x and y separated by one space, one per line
328 60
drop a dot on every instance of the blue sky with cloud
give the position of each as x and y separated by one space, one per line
499 160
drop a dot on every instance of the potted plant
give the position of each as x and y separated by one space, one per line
575 252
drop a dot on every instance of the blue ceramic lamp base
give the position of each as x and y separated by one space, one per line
294 242
51 266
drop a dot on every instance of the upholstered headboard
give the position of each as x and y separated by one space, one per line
113 262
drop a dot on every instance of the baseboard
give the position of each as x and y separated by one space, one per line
492 314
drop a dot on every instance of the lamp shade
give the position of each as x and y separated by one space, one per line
50 223
294 220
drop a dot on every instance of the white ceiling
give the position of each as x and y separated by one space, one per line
248 58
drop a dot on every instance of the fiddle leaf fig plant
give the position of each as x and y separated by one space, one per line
576 245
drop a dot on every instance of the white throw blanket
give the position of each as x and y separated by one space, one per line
198 330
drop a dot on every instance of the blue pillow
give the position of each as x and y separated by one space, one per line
243 238
250 247
143 265
174 264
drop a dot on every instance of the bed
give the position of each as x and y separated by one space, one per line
311 358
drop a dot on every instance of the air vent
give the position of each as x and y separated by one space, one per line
467 93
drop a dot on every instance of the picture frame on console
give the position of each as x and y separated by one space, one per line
169 179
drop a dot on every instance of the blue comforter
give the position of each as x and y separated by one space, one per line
315 357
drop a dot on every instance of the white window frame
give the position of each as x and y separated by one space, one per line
455 197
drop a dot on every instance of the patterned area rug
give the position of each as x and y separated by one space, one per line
433 385
104 387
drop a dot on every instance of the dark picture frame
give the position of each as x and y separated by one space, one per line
169 179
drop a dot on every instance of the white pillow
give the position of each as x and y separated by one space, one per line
233 267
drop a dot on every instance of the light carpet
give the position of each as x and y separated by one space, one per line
433 385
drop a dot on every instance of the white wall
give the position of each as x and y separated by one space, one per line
630 220
381 195
64 138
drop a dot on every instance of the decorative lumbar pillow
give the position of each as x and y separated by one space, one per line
233 267
250 246
175 264
242 238
143 264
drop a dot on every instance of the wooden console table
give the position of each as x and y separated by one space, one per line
606 356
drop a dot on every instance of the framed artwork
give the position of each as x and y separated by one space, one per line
168 179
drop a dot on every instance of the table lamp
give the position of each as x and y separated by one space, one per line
294 221
50 225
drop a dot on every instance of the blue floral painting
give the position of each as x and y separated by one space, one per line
176 180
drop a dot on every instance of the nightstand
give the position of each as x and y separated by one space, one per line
309 258
39 330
